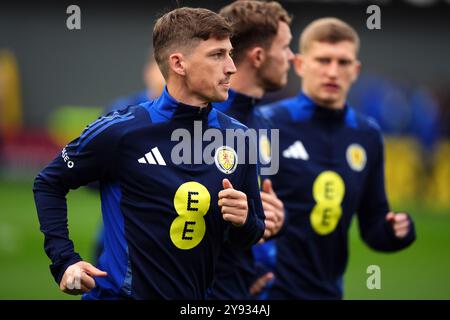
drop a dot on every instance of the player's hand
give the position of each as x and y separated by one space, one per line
400 223
78 278
233 203
273 209
260 283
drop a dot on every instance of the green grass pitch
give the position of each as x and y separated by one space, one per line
420 272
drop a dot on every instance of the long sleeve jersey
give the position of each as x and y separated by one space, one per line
331 166
163 227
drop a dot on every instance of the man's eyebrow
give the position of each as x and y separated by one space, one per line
220 49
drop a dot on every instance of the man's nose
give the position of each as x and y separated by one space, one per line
230 68
332 70
291 55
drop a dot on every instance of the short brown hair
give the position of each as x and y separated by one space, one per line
182 27
330 30
254 23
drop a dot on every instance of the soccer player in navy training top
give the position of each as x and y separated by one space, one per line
164 221
261 52
331 165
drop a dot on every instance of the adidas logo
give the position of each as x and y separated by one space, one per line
153 157
296 151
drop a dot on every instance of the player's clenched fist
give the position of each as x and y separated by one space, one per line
78 278
273 209
233 203
399 223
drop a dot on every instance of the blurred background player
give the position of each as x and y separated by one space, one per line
154 85
152 236
331 166
261 39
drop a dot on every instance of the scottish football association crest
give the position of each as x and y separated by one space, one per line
226 159
356 157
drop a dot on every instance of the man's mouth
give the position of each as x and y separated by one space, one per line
225 83
331 87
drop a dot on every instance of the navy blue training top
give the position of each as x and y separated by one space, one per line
331 166
163 227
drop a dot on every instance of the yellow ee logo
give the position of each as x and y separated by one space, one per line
191 202
328 192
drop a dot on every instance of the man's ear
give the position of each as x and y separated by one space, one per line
298 64
177 63
256 56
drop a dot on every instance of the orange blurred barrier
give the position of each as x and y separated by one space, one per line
10 99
